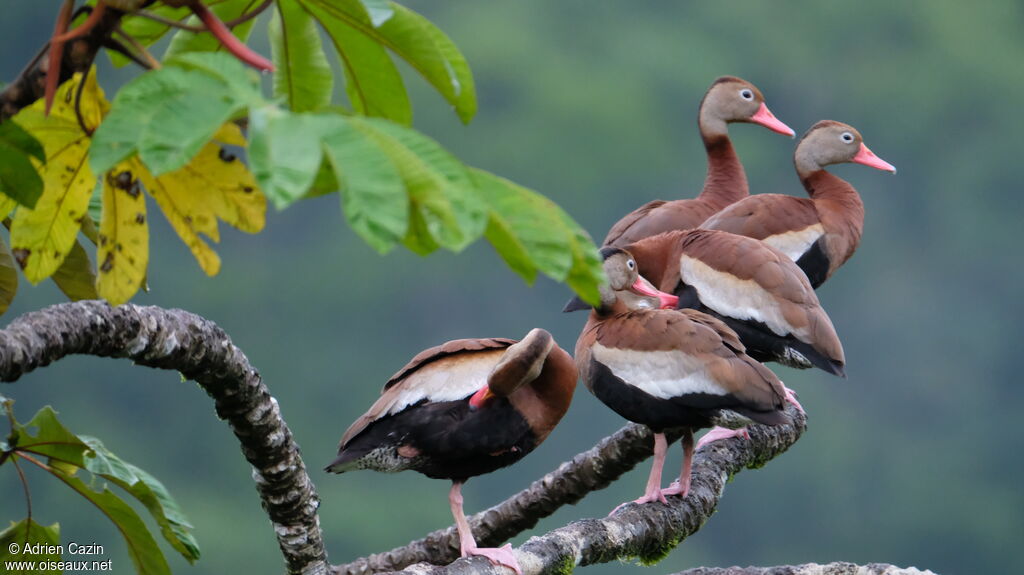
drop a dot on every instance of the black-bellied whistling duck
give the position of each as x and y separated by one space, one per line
462 409
728 100
755 289
667 368
821 232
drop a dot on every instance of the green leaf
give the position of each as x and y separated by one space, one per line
379 10
146 31
50 439
303 77
427 49
531 233
432 210
372 81
16 539
587 272
469 210
185 41
8 277
76 276
142 548
373 194
284 153
174 527
168 115
241 80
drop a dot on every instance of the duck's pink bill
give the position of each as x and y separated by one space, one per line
764 117
644 287
868 158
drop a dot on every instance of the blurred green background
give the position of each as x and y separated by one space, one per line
914 460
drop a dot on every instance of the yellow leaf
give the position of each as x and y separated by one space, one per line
123 246
6 206
42 237
215 184
8 277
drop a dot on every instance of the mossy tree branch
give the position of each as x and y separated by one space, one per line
837 568
644 532
200 350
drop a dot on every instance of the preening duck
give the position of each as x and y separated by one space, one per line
821 232
462 409
755 289
667 368
728 100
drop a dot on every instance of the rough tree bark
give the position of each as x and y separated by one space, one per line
200 350
645 532
810 569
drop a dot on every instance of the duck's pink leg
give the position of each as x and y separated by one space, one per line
653 491
681 486
467 545
791 398
720 433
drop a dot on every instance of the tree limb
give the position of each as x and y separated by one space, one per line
200 350
811 569
648 532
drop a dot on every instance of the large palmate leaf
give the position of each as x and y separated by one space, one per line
67 453
303 77
18 177
531 233
15 542
409 36
123 241
42 236
372 81
215 184
440 188
166 116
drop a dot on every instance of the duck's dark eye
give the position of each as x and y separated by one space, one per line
847 137
746 94
631 264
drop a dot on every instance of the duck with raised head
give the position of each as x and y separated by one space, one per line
462 409
755 289
821 232
668 368
728 100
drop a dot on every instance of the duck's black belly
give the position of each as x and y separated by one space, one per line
453 440
695 410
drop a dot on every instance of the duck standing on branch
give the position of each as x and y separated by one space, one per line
755 289
821 232
667 368
728 100
462 409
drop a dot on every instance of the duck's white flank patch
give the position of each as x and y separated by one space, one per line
448 379
663 374
735 298
796 243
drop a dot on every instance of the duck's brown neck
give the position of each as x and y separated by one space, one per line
840 209
655 257
726 182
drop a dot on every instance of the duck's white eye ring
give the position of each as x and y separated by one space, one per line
847 137
631 264
747 94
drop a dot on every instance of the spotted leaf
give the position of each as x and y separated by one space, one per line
41 237
123 248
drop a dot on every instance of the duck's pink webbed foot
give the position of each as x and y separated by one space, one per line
791 398
720 433
498 555
649 496
677 488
